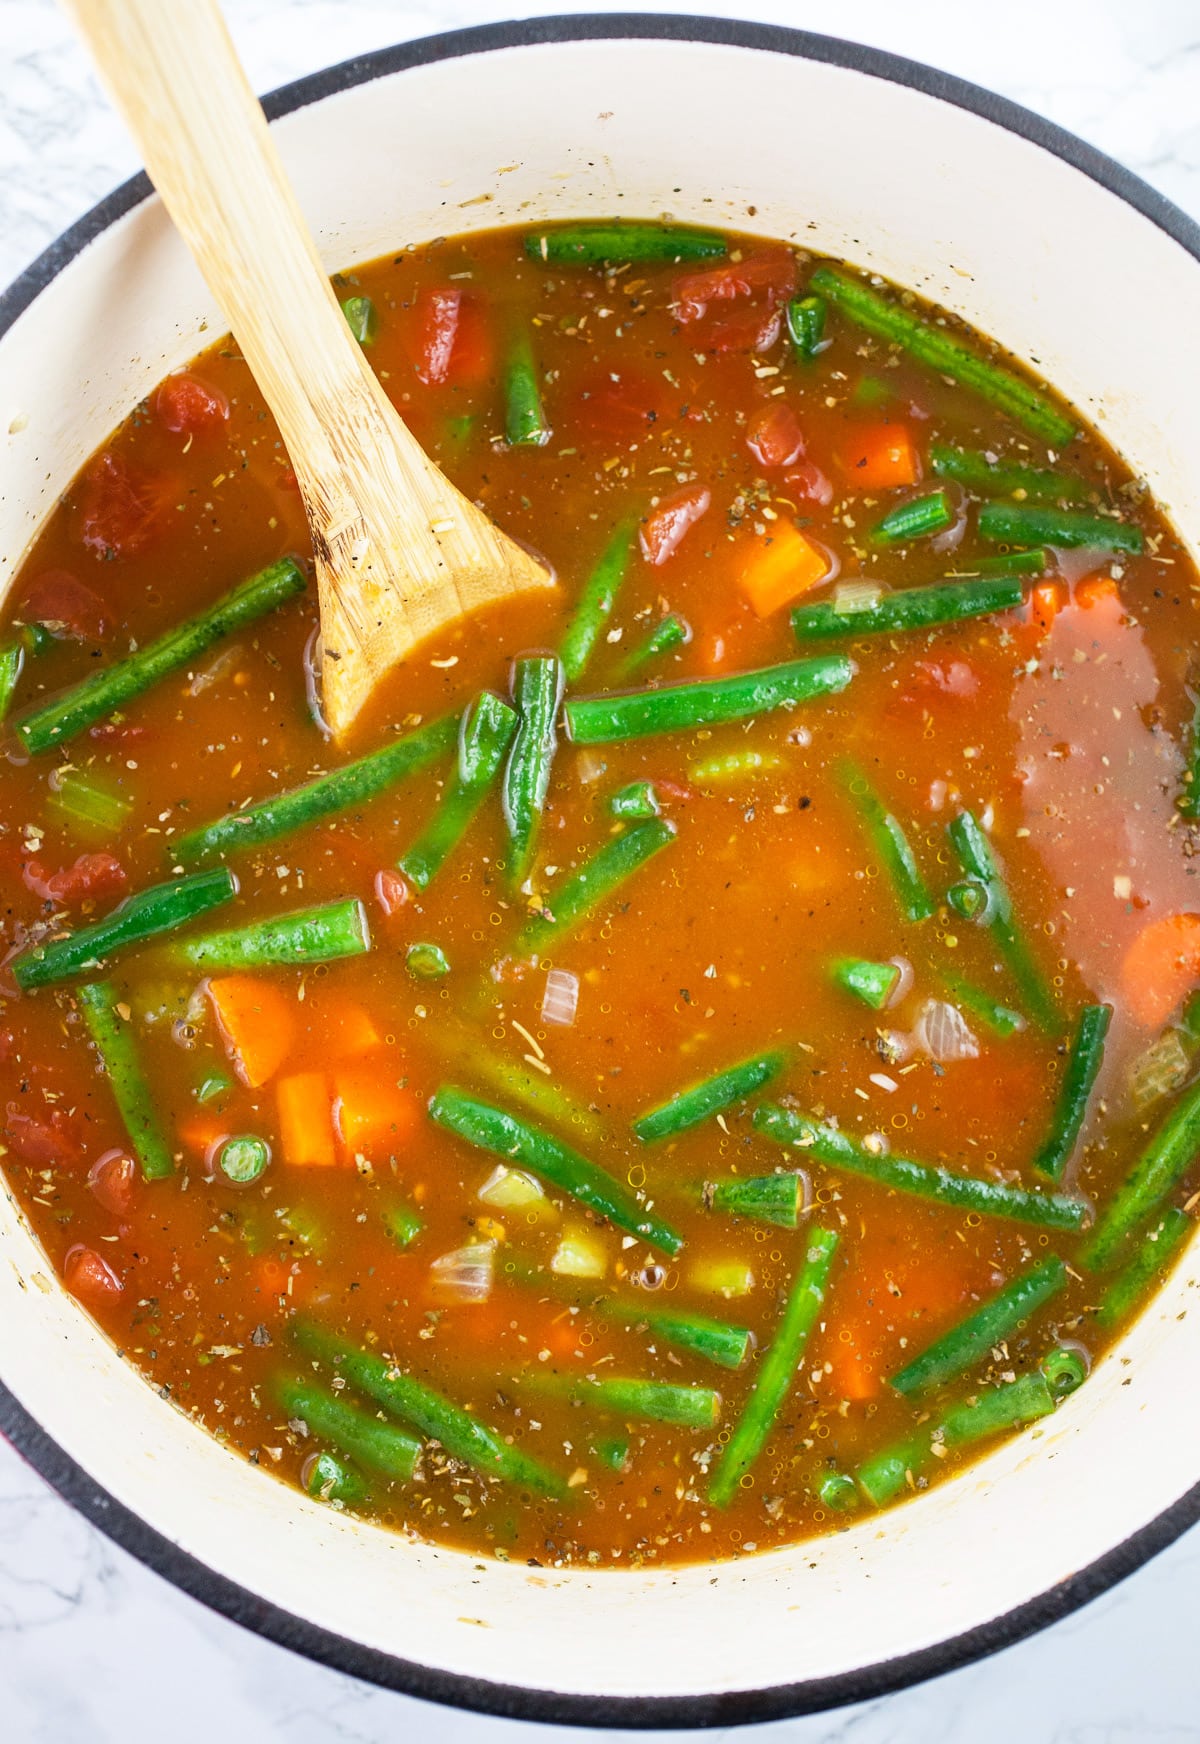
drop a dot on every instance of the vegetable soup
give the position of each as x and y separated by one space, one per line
718 1048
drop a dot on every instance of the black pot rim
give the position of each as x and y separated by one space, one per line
276 1624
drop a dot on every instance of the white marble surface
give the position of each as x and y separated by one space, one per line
95 1649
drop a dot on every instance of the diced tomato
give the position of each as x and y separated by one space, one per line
188 406
774 436
392 890
879 457
808 482
677 791
89 1277
120 507
41 1141
112 1180
66 607
437 314
773 272
757 330
7 1045
619 405
665 526
1045 603
92 875
953 678
453 337
118 733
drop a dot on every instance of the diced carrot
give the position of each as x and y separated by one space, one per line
1097 590
371 1107
781 567
879 457
305 1114
1160 966
348 1029
1045 602
665 526
854 1373
257 1023
199 1133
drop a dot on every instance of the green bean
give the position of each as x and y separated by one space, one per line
971 467
1078 1082
91 805
160 909
537 694
579 894
595 604
114 1043
889 841
873 983
362 317
612 1451
672 632
733 766
806 326
882 1477
517 1083
355 784
352 1431
777 1369
716 1340
1027 524
991 1323
934 346
1148 1262
1064 1370
966 1192
615 241
917 519
835 1489
244 1159
1000 1019
487 727
64 716
307 935
403 1224
677 708
701 1101
975 854
1165 1159
969 898
689 1407
520 1144
1035 562
331 1479
213 1086
777 1199
908 608
12 659
428 962
1188 801
461 1434
638 800
525 424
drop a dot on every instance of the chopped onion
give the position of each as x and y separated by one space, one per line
941 1032
312 682
1161 1069
464 1275
904 984
856 596
511 1189
590 766
579 1255
561 998
215 670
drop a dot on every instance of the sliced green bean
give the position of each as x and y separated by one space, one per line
352 1431
356 784
1002 1020
964 1192
1035 484
806 326
638 800
244 1159
975 854
596 880
595 604
1078 1081
908 608
777 1199
888 838
362 318
715 1340
90 804
836 1490
307 935
525 423
537 693
677 708
934 346
487 728
612 1451
1166 1158
597 244
461 1434
777 1369
328 1478
883 1476
12 659
873 983
1188 801
1028 524
918 519
1150 1259
163 908
64 716
403 1224
1065 1370
428 962
618 1396
114 1042
523 1145
733 766
1035 562
991 1323
672 632
701 1101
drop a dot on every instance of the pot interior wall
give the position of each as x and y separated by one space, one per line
928 194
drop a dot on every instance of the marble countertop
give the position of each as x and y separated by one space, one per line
93 1647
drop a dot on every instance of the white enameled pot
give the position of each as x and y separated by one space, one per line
1078 268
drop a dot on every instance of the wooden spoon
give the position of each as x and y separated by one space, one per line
400 552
